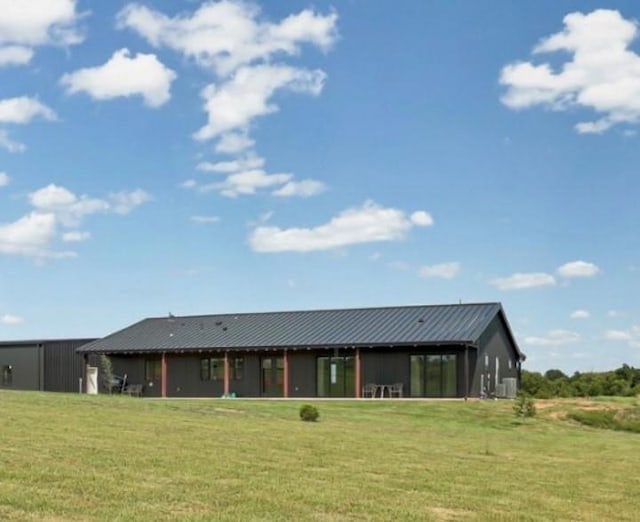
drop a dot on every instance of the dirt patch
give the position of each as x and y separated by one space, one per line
442 513
227 410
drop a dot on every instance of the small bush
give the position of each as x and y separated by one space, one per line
524 406
609 419
309 413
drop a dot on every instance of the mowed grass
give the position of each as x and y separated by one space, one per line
73 457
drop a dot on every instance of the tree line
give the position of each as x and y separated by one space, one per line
624 381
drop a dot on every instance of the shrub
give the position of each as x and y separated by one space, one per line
309 413
106 373
524 406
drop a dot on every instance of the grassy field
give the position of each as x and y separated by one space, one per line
72 457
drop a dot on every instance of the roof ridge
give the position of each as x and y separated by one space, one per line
316 310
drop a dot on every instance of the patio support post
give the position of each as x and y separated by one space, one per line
466 372
163 375
285 384
226 373
358 374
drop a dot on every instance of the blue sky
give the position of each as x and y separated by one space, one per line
202 157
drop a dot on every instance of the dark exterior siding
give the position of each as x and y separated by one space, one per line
26 366
302 374
63 367
494 345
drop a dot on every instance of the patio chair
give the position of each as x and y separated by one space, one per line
369 390
396 390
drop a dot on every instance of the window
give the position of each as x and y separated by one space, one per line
509 363
486 361
237 368
434 375
152 370
7 375
212 369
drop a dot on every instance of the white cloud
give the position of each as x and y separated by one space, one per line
232 105
580 314
33 234
71 209
9 144
4 179
553 338
365 224
75 236
602 72
519 281
578 269
15 55
29 235
125 202
10 319
421 218
249 162
441 270
247 182
618 335
226 35
203 220
305 188
28 24
23 109
121 75
233 143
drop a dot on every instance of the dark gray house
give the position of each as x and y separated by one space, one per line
45 365
463 350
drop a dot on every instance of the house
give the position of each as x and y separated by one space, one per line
45 365
459 350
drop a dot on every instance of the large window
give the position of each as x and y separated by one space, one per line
336 377
434 375
152 370
272 369
7 375
212 369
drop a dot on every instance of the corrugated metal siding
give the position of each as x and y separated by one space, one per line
462 323
63 367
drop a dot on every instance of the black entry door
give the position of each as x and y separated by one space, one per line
272 376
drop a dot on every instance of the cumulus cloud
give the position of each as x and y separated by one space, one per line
23 109
519 281
441 270
365 224
10 319
75 236
247 182
580 314
53 207
226 35
553 338
305 188
123 76
578 269
618 335
29 235
25 25
233 143
15 55
10 145
421 218
601 73
249 162
4 179
232 105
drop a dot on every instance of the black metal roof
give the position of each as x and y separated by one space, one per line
425 324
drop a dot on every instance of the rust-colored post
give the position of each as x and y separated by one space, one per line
285 384
358 374
226 373
163 375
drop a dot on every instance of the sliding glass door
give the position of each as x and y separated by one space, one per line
434 375
336 377
272 369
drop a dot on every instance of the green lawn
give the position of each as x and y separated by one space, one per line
72 457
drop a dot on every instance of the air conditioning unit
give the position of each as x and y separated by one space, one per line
501 390
511 387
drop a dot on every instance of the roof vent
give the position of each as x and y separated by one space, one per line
421 320
218 323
